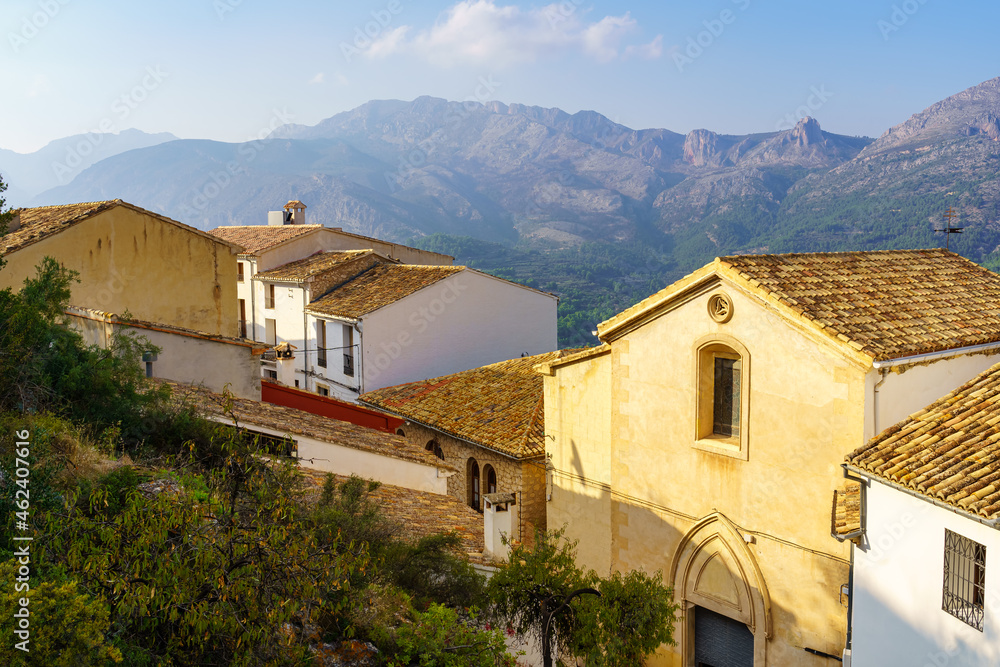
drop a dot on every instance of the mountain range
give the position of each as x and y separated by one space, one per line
576 203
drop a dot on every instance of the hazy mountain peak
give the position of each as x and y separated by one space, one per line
963 114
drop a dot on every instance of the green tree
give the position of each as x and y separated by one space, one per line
67 627
632 617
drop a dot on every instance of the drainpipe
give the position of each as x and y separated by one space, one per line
883 372
305 336
863 516
361 357
253 300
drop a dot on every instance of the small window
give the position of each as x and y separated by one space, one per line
271 331
434 448
270 374
490 475
722 396
348 350
964 579
321 343
322 391
726 396
239 271
475 492
269 296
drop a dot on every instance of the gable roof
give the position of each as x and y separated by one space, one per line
499 406
42 222
949 451
257 238
378 287
310 266
885 304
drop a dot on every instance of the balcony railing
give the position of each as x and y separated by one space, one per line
242 328
349 365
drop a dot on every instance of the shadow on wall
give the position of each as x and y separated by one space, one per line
616 533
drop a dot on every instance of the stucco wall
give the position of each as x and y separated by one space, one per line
578 421
898 581
340 460
329 239
186 358
157 271
465 321
644 467
909 388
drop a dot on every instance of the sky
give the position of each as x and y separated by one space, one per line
232 70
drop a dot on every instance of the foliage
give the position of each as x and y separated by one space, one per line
530 576
439 638
632 617
46 366
434 569
348 515
67 627
197 584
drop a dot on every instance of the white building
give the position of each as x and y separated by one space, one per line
350 314
926 580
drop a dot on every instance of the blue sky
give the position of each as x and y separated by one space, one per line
233 69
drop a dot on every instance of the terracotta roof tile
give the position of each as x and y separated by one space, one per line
847 509
256 238
499 406
420 513
44 221
297 422
949 451
379 287
310 266
887 304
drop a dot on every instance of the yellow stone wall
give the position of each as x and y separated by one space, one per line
631 482
131 261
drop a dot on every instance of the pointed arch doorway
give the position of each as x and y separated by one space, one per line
724 604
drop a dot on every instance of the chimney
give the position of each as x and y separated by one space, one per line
295 213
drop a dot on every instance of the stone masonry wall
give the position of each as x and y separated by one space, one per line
524 478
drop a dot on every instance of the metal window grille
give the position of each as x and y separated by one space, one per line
349 364
726 403
964 579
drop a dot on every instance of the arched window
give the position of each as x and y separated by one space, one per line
723 396
400 432
490 475
475 495
435 449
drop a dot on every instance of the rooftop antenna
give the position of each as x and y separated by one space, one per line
948 230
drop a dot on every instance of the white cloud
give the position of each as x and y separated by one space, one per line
317 79
481 31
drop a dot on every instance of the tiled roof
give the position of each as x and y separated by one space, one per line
885 304
499 406
847 509
256 238
949 451
44 221
297 422
379 287
420 513
310 266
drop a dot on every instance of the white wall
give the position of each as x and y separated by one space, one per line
467 320
183 357
327 457
902 394
898 581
